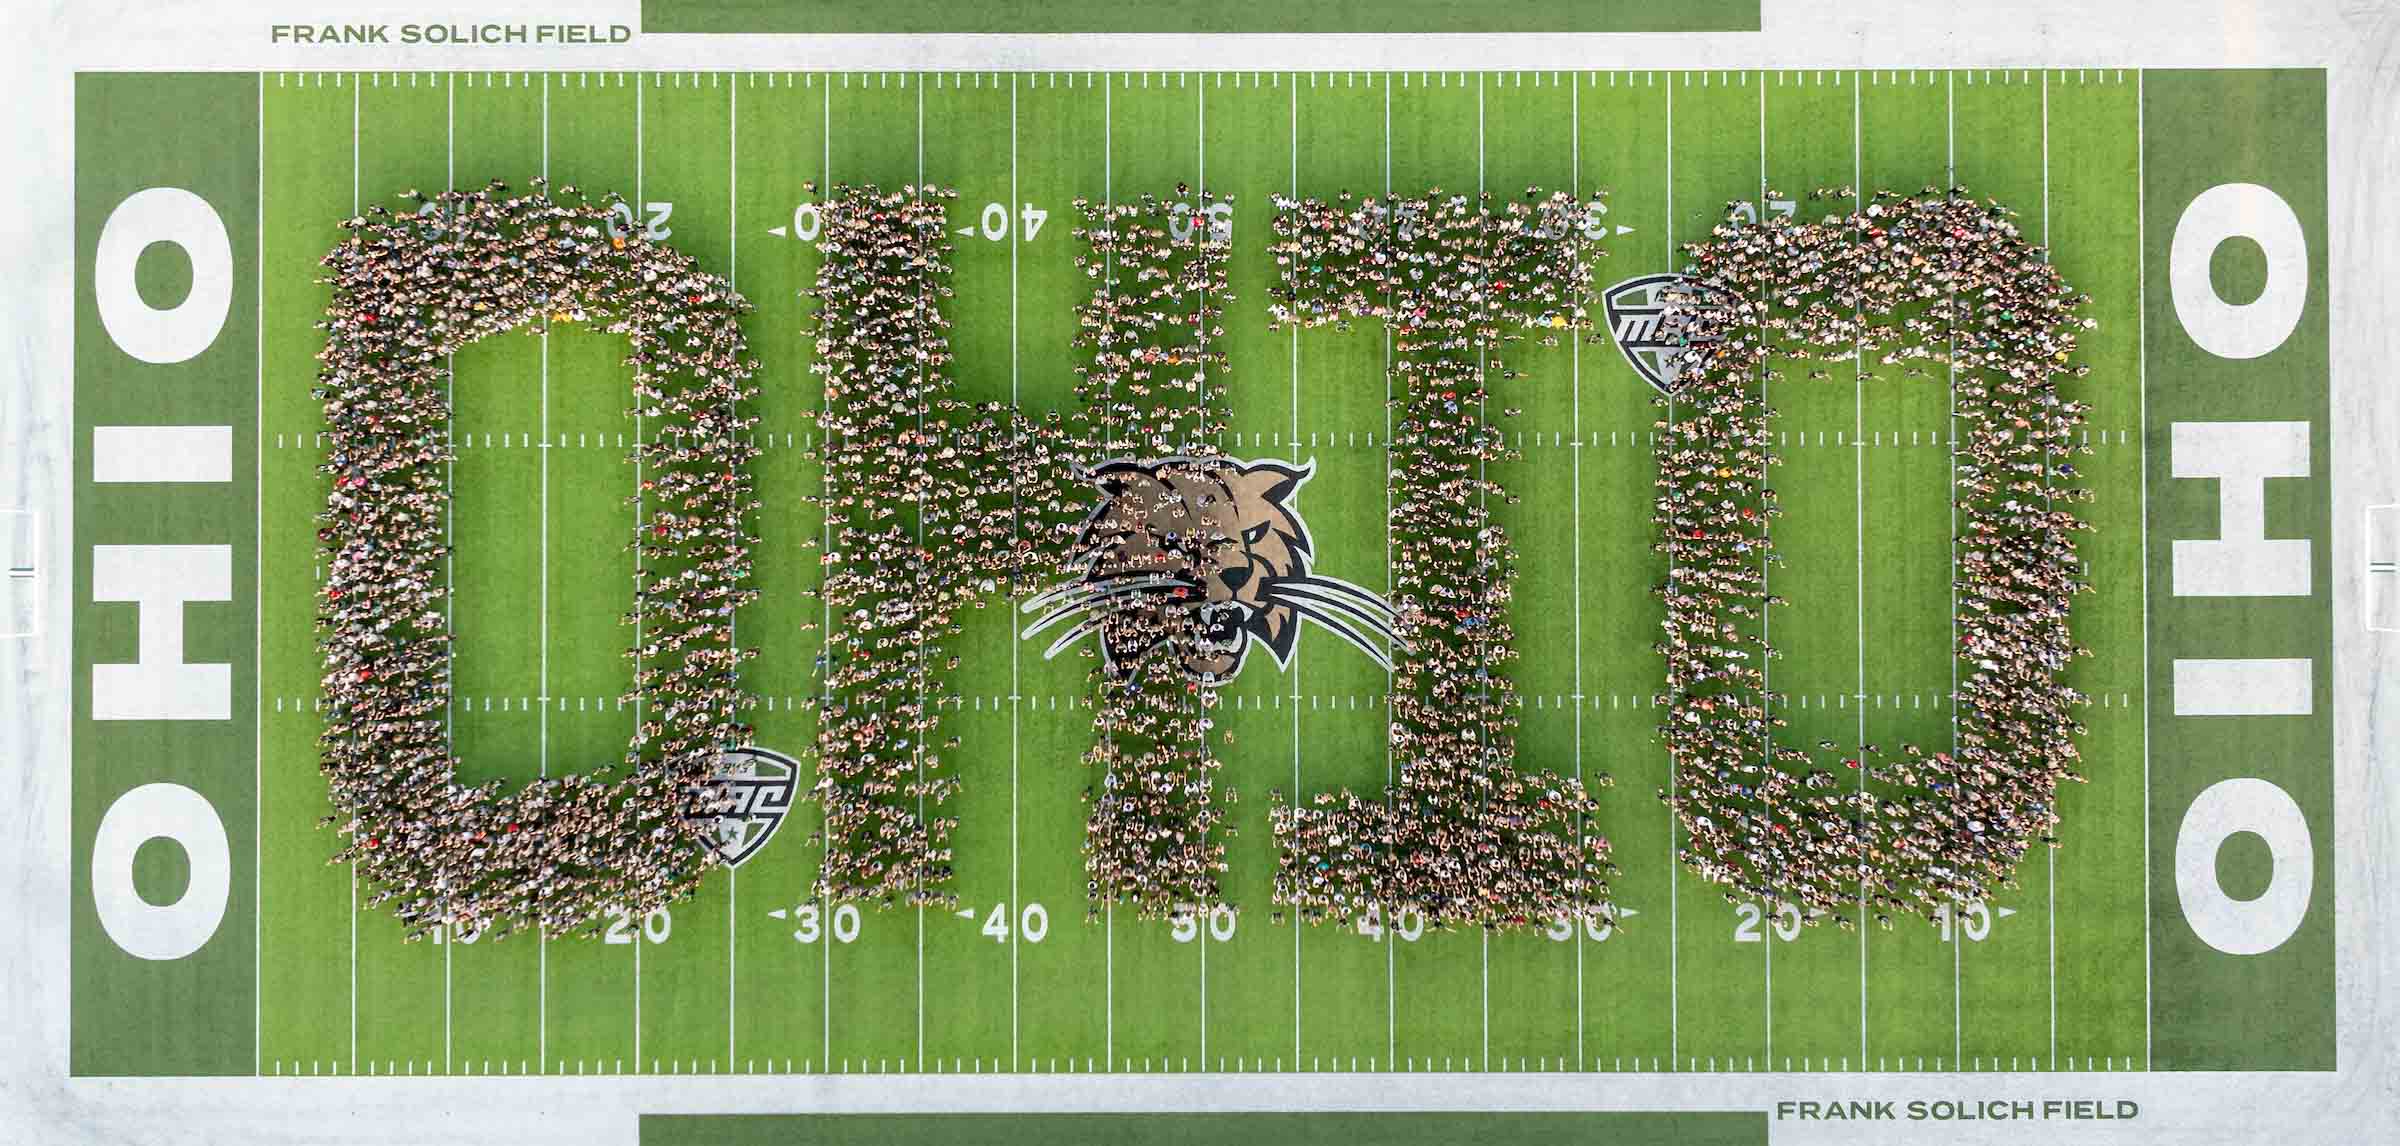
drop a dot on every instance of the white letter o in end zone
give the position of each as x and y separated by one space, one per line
2238 210
2244 926
161 811
163 215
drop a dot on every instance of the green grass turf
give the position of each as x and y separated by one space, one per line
1023 16
543 576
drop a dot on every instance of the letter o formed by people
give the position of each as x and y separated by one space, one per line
1910 291
560 853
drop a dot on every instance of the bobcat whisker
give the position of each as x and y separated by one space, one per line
1349 627
1081 629
1341 588
1330 592
1083 605
1092 590
1328 622
1298 595
1322 612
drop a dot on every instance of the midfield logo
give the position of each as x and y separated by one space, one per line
760 783
1209 556
1646 318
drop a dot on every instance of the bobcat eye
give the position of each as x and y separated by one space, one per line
1256 533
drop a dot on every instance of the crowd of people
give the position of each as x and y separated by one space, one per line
1114 518
564 852
1463 836
1151 400
1941 279
932 504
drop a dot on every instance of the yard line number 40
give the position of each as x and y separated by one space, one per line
808 222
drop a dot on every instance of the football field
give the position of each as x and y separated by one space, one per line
2102 957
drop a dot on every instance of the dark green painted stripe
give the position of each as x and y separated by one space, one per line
194 1014
833 17
1729 1128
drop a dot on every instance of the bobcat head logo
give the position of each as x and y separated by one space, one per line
1202 558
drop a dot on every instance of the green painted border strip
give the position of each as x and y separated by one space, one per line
195 1015
838 17
1331 1128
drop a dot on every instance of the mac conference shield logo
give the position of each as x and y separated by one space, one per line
1647 318
748 797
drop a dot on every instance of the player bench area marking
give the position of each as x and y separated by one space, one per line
2380 586
20 555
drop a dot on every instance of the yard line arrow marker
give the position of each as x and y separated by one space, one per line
775 231
775 914
1624 230
2005 912
964 231
966 913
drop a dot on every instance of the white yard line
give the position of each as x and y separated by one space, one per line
917 749
825 905
1293 671
1483 501
1858 496
1958 942
1575 460
1767 697
1108 201
449 542
2142 418
1015 689
1200 188
542 681
638 509
258 633
2050 854
1674 927
354 102
733 266
1391 950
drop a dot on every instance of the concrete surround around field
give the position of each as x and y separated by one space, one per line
2357 41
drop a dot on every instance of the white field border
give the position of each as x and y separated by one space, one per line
2354 1103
